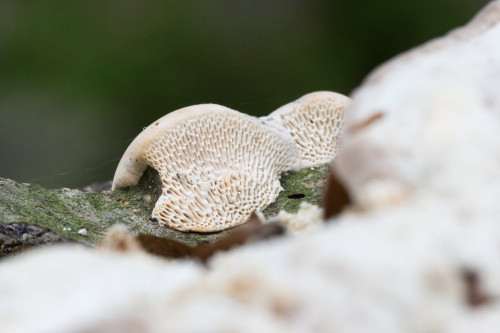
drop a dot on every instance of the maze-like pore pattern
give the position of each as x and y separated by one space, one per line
315 126
216 169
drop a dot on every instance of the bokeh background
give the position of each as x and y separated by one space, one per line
79 79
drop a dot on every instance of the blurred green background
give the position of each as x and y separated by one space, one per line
79 79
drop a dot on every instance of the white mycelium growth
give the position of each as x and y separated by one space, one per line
216 165
314 121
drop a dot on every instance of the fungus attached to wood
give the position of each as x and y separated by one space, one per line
217 166
314 121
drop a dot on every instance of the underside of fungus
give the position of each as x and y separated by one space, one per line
314 121
216 165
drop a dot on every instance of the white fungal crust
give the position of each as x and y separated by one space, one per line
315 122
216 165
427 120
307 219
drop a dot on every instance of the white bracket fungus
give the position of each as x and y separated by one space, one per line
216 165
315 122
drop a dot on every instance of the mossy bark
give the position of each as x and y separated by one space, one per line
62 213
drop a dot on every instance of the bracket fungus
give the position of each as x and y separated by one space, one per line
217 166
315 122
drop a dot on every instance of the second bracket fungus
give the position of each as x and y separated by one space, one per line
216 165
315 122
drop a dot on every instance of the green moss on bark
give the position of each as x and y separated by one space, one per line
66 211
306 185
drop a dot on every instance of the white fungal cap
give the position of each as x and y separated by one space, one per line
216 165
314 121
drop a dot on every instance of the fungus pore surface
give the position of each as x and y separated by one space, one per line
315 122
216 165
